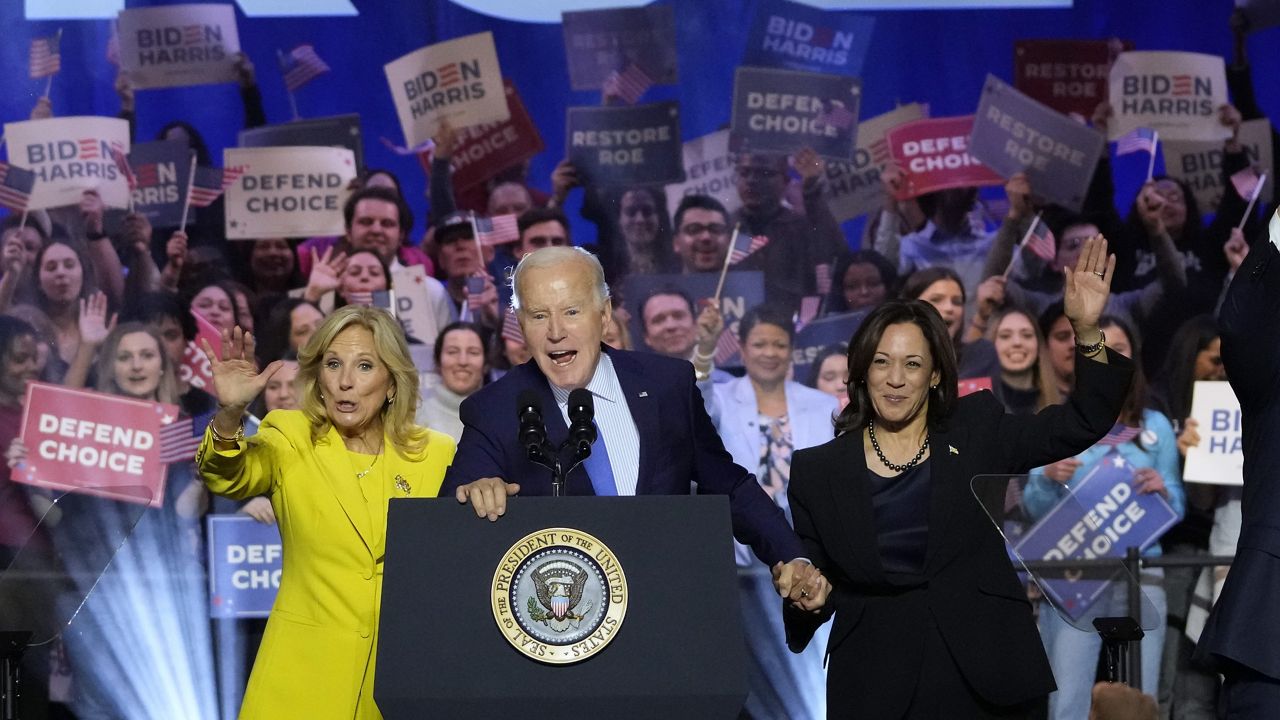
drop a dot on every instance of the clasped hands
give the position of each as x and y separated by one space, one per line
802 584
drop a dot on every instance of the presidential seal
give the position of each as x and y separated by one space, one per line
559 595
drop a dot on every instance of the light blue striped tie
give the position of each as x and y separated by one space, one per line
598 467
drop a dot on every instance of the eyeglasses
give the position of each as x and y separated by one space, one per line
698 228
639 211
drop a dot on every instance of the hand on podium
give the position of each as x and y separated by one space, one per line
488 496
801 583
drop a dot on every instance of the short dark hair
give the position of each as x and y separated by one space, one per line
152 307
862 350
666 289
12 328
888 275
699 202
16 220
815 370
383 194
919 281
766 314
536 215
459 325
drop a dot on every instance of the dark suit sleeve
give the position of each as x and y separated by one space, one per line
757 521
1059 431
799 624
479 454
1250 333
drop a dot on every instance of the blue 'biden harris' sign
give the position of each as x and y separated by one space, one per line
798 37
782 111
1102 517
245 563
626 145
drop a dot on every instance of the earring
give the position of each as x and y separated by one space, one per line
933 387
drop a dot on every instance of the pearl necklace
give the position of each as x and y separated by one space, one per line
871 430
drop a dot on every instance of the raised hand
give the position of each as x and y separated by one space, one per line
14 255
446 140
92 209
1088 287
1018 190
1236 249
1150 208
563 179
236 379
809 164
326 273
93 323
244 71
710 325
135 232
176 249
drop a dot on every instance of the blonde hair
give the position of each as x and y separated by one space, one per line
166 391
409 438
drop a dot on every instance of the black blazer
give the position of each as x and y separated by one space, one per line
1244 625
972 594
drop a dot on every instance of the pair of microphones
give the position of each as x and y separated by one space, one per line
533 433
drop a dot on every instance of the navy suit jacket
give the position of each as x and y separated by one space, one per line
678 446
1244 625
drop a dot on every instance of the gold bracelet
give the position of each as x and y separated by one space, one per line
218 437
1092 350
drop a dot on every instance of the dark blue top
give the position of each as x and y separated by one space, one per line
900 505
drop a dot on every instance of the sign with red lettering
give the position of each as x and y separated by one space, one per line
708 170
95 443
179 45
854 188
287 191
1177 94
70 155
1069 76
934 153
486 150
195 369
458 80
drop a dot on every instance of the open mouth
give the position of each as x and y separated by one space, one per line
563 358
345 406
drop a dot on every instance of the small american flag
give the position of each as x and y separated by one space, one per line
122 164
727 346
210 183
1040 240
629 84
180 439
1140 140
16 185
496 230
1119 435
360 297
1248 183
300 66
45 56
511 328
822 278
745 245
113 46
836 115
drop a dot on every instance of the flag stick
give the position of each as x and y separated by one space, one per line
191 179
1262 180
23 222
733 242
57 40
1017 249
475 234
1155 145
293 104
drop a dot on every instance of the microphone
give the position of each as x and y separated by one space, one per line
533 432
582 428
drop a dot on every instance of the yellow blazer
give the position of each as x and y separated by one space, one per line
317 656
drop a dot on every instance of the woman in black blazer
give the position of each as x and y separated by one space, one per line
930 619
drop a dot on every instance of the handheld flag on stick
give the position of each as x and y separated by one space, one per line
724 269
497 230
745 246
1140 140
629 84
122 164
16 185
1039 240
1249 184
300 66
46 56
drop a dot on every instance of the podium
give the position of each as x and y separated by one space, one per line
677 652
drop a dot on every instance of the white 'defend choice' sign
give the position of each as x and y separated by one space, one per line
70 155
1217 460
287 191
708 170
458 80
1177 94
854 188
179 45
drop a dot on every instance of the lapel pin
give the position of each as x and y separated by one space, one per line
953 449
644 393
403 485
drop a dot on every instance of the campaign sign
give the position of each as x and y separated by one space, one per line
743 290
814 336
1262 14
288 191
1218 459
708 170
70 155
1199 164
245 564
333 131
195 369
969 386
1102 517
934 154
783 111
854 188
487 149
416 298
625 145
458 80
793 36
1013 133
600 42
179 45
1069 76
1177 94
91 442
162 168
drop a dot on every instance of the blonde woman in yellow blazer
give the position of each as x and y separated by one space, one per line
330 470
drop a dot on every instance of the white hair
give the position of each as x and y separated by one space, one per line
556 255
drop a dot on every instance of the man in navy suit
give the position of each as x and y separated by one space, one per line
655 437
1242 635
